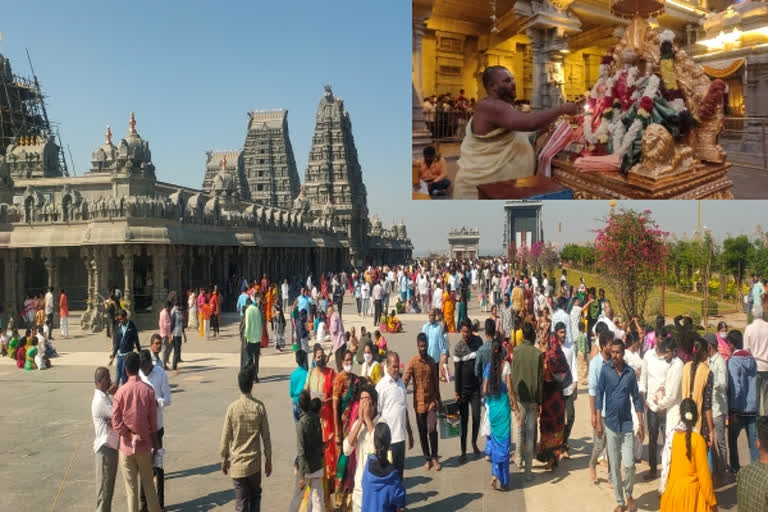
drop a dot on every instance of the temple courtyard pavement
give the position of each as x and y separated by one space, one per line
48 461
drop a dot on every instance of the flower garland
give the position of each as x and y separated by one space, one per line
643 116
667 67
712 100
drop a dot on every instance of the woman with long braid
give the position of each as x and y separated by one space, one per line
382 489
689 483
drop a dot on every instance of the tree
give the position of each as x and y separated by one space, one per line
548 258
736 256
758 262
630 252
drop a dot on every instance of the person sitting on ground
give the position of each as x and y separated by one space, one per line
432 172
391 323
321 333
21 354
381 344
29 364
400 306
13 344
382 488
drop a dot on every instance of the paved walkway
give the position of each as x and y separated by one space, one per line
49 465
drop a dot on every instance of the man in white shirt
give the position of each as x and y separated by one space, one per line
756 342
571 392
360 440
376 295
437 297
285 291
669 398
365 296
656 364
106 442
562 316
424 292
393 407
49 308
719 408
153 375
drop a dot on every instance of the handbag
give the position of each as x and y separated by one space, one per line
564 379
485 422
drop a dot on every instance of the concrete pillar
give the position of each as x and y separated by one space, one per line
159 270
127 254
85 257
11 295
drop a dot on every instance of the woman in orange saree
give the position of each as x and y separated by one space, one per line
449 304
320 385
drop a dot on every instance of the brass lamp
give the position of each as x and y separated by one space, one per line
632 8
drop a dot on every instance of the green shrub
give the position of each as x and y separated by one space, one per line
653 307
710 306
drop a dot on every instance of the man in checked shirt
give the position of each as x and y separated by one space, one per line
245 423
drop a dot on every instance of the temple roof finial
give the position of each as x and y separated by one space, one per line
224 163
132 125
108 136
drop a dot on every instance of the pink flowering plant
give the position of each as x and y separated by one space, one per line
629 253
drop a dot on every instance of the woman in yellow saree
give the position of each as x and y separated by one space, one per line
449 305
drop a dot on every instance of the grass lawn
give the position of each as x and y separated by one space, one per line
676 303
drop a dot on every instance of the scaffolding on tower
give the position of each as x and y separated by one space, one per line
23 116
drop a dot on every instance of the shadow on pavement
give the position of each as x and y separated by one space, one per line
201 470
726 496
416 497
215 499
648 501
413 481
455 502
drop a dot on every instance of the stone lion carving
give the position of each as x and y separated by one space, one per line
661 156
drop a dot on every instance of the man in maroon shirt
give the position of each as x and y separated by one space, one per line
134 418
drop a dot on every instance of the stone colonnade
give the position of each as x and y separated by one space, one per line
169 267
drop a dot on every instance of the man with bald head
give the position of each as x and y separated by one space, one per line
496 145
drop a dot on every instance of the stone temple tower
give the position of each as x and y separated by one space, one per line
333 183
268 163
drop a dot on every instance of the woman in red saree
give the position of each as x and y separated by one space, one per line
345 386
320 385
552 421
264 324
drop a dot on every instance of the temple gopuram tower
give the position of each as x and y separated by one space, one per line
333 183
269 167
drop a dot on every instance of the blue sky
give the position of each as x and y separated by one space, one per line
191 70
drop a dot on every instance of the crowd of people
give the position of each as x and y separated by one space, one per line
34 349
515 374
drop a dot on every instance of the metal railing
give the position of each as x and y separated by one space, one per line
744 140
447 126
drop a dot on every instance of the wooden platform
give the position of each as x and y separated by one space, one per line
708 182
524 188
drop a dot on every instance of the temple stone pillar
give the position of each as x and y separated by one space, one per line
547 28
420 134
85 257
159 270
10 294
127 253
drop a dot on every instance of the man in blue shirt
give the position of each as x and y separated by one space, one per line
302 302
436 344
241 300
615 385
595 365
